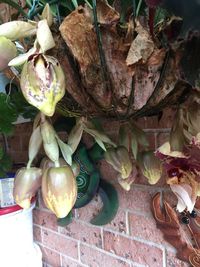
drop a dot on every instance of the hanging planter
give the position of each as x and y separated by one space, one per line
121 70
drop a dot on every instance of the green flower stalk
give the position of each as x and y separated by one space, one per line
26 184
43 82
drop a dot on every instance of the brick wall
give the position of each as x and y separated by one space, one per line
132 238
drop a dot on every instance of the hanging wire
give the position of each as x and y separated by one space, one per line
134 9
99 41
105 73
131 97
58 13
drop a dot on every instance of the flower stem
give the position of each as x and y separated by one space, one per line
29 164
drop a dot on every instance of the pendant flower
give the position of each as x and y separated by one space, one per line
43 82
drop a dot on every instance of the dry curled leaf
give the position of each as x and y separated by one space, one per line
141 48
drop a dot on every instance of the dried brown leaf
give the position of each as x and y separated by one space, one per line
141 48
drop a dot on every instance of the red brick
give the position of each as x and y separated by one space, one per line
142 180
60 243
37 235
118 223
19 157
135 199
14 143
50 257
151 139
107 172
133 250
41 201
162 138
87 139
24 128
167 118
145 228
25 141
154 123
45 219
172 261
111 128
85 233
88 212
148 122
66 262
94 258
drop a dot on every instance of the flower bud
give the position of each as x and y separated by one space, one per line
150 166
43 82
59 190
7 52
26 184
120 160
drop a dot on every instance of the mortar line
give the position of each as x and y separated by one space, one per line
164 258
112 255
127 223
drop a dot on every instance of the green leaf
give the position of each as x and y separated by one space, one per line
161 15
134 146
124 136
75 136
6 163
35 143
22 106
8 114
100 143
2 173
1 152
66 151
139 135
90 128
